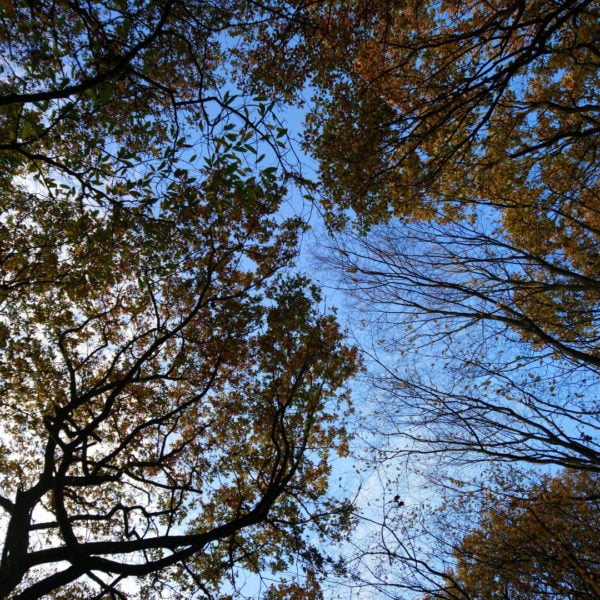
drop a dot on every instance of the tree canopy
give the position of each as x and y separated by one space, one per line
423 107
458 151
166 387
171 388
542 545
459 140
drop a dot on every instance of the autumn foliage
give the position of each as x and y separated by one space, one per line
542 545
458 152
172 390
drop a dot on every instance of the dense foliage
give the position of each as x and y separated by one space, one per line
171 391
543 545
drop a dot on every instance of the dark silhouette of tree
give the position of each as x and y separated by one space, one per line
171 390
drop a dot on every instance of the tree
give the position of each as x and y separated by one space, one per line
415 99
91 89
460 140
171 391
542 545
478 358
82 79
508 534
458 146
